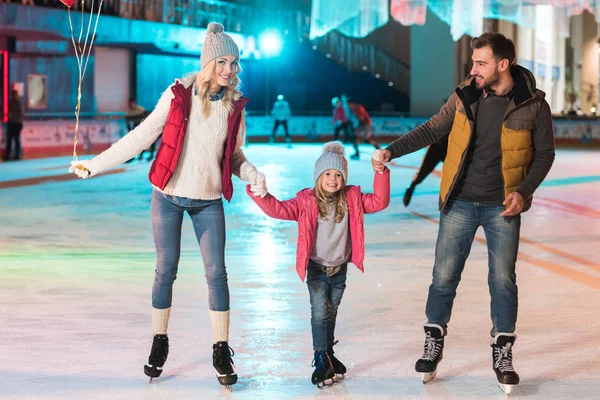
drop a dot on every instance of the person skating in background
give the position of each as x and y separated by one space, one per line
14 127
436 153
341 122
363 132
281 112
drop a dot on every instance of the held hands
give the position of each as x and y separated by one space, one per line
82 169
252 174
378 160
258 186
516 202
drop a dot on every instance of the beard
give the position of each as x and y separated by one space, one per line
489 82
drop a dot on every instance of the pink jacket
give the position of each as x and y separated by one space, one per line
304 209
339 115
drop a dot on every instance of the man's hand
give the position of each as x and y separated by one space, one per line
516 204
379 158
252 176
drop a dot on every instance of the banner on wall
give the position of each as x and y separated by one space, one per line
52 137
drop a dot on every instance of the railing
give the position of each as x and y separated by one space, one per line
235 18
197 13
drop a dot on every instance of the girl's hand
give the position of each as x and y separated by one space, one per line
378 160
260 187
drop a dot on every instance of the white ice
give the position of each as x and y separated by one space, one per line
77 265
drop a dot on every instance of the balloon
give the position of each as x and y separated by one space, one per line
68 3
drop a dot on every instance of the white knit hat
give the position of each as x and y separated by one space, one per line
332 158
217 44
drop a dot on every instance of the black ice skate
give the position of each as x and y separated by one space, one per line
323 374
408 194
223 364
338 368
158 356
502 345
432 352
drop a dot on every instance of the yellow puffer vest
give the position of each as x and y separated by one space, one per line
515 141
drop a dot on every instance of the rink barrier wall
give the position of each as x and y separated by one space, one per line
55 137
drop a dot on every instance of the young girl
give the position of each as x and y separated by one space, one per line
330 234
201 118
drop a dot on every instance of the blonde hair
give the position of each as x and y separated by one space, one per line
203 84
324 198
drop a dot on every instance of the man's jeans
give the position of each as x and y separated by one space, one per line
325 297
208 220
458 223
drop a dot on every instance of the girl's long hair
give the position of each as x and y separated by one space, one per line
324 198
203 83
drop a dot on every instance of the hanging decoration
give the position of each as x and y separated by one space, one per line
409 12
355 18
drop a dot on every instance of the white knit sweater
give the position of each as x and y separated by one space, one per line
198 171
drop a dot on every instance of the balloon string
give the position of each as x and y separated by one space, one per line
80 53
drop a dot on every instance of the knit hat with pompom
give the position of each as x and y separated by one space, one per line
332 158
217 44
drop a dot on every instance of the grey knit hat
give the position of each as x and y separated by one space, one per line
332 158
217 44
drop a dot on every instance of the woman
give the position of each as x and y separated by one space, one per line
201 118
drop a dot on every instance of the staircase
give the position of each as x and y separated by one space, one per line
361 57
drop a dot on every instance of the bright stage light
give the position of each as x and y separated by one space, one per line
270 43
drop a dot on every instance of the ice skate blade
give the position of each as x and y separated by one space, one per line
226 380
507 389
427 376
325 383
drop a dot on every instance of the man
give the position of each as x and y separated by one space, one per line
14 127
364 128
501 147
281 111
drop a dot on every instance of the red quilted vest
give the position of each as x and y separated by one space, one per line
172 140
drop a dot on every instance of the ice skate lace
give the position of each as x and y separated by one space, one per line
504 358
320 361
223 354
432 347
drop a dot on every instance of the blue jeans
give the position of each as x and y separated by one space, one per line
458 223
208 220
325 297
